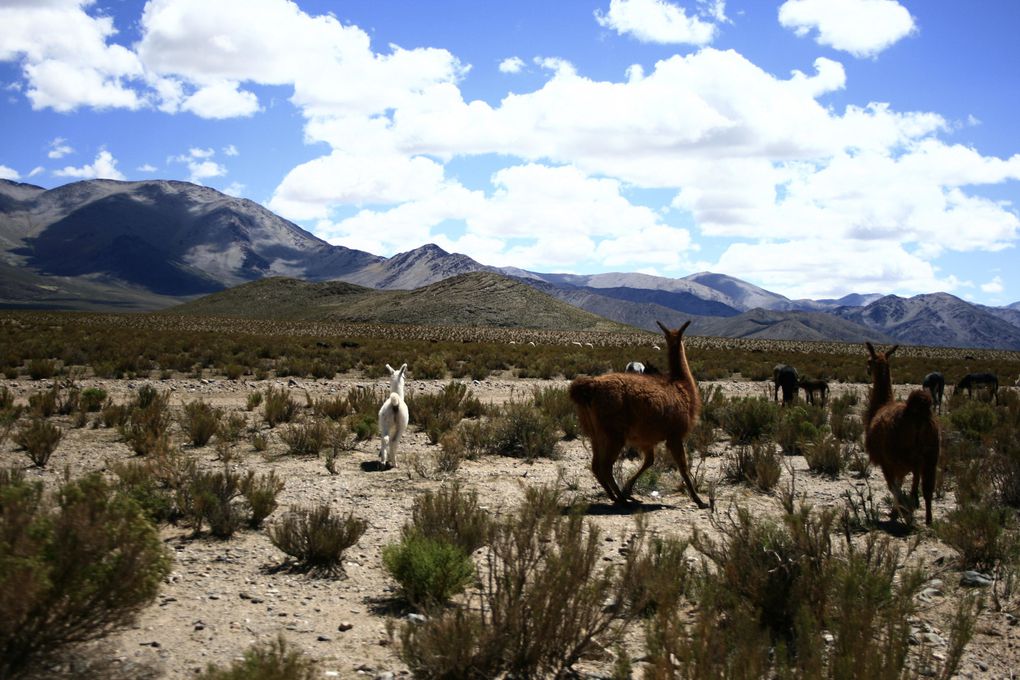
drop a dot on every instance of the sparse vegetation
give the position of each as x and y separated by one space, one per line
317 538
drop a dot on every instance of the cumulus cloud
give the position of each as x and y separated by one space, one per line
864 28
9 173
103 167
235 189
230 150
658 21
59 148
993 286
66 56
511 65
200 164
221 100
147 168
37 170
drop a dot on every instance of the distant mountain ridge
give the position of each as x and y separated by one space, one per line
104 244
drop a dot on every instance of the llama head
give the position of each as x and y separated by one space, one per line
878 364
673 338
397 378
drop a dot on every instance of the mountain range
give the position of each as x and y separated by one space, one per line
136 246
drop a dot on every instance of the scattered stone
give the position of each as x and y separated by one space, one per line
324 638
975 579
388 675
934 639
416 618
982 666
345 626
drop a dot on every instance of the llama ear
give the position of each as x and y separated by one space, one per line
402 369
390 369
871 348
684 327
889 353
664 329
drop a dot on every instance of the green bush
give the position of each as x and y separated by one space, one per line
334 408
148 421
211 498
750 418
824 454
278 406
274 660
310 437
520 430
140 480
451 515
92 399
260 493
973 419
438 413
253 401
39 439
798 425
72 572
555 403
757 464
428 571
981 533
200 421
42 369
316 538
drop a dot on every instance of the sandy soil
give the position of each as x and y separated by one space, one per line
222 595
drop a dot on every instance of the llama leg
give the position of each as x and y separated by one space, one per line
676 448
928 476
897 493
383 445
603 472
647 458
391 461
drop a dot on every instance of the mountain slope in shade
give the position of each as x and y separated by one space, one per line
785 325
474 299
937 319
634 281
168 238
1008 314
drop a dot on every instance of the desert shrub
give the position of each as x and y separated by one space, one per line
114 415
278 407
141 481
798 424
428 571
438 413
520 430
92 399
308 438
334 408
749 418
982 534
452 515
825 455
713 404
42 369
556 404
316 538
661 575
212 498
973 419
6 399
260 493
200 421
845 426
701 437
542 602
43 404
231 428
365 403
39 439
757 464
430 368
72 571
253 401
476 437
273 660
146 427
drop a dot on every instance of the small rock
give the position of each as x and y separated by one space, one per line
384 676
934 639
975 579
416 618
982 666
324 638
345 626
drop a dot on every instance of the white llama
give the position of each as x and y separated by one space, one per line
393 418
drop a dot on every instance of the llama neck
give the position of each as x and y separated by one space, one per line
679 370
398 389
881 391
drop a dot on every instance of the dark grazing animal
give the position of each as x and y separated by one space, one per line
935 383
976 381
785 378
814 387
900 436
639 410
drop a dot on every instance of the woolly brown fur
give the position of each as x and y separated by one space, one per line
639 410
901 437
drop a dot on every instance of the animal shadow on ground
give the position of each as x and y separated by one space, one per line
895 528
373 466
611 509
388 605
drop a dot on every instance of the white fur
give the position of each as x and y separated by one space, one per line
635 367
393 417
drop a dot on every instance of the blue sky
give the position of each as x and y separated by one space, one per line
813 147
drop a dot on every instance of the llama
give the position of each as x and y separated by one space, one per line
900 437
813 387
634 367
393 417
973 381
620 409
785 377
935 383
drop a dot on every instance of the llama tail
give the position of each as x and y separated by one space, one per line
582 390
395 402
918 409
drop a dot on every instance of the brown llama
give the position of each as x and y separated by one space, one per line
639 410
815 387
901 436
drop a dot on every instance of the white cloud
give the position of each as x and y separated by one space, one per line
59 148
511 65
103 167
235 189
36 171
221 100
66 56
864 28
993 286
230 150
9 173
658 21
200 164
147 168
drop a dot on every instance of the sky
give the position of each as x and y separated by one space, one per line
813 147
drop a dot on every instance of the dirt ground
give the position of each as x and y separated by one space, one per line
223 595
